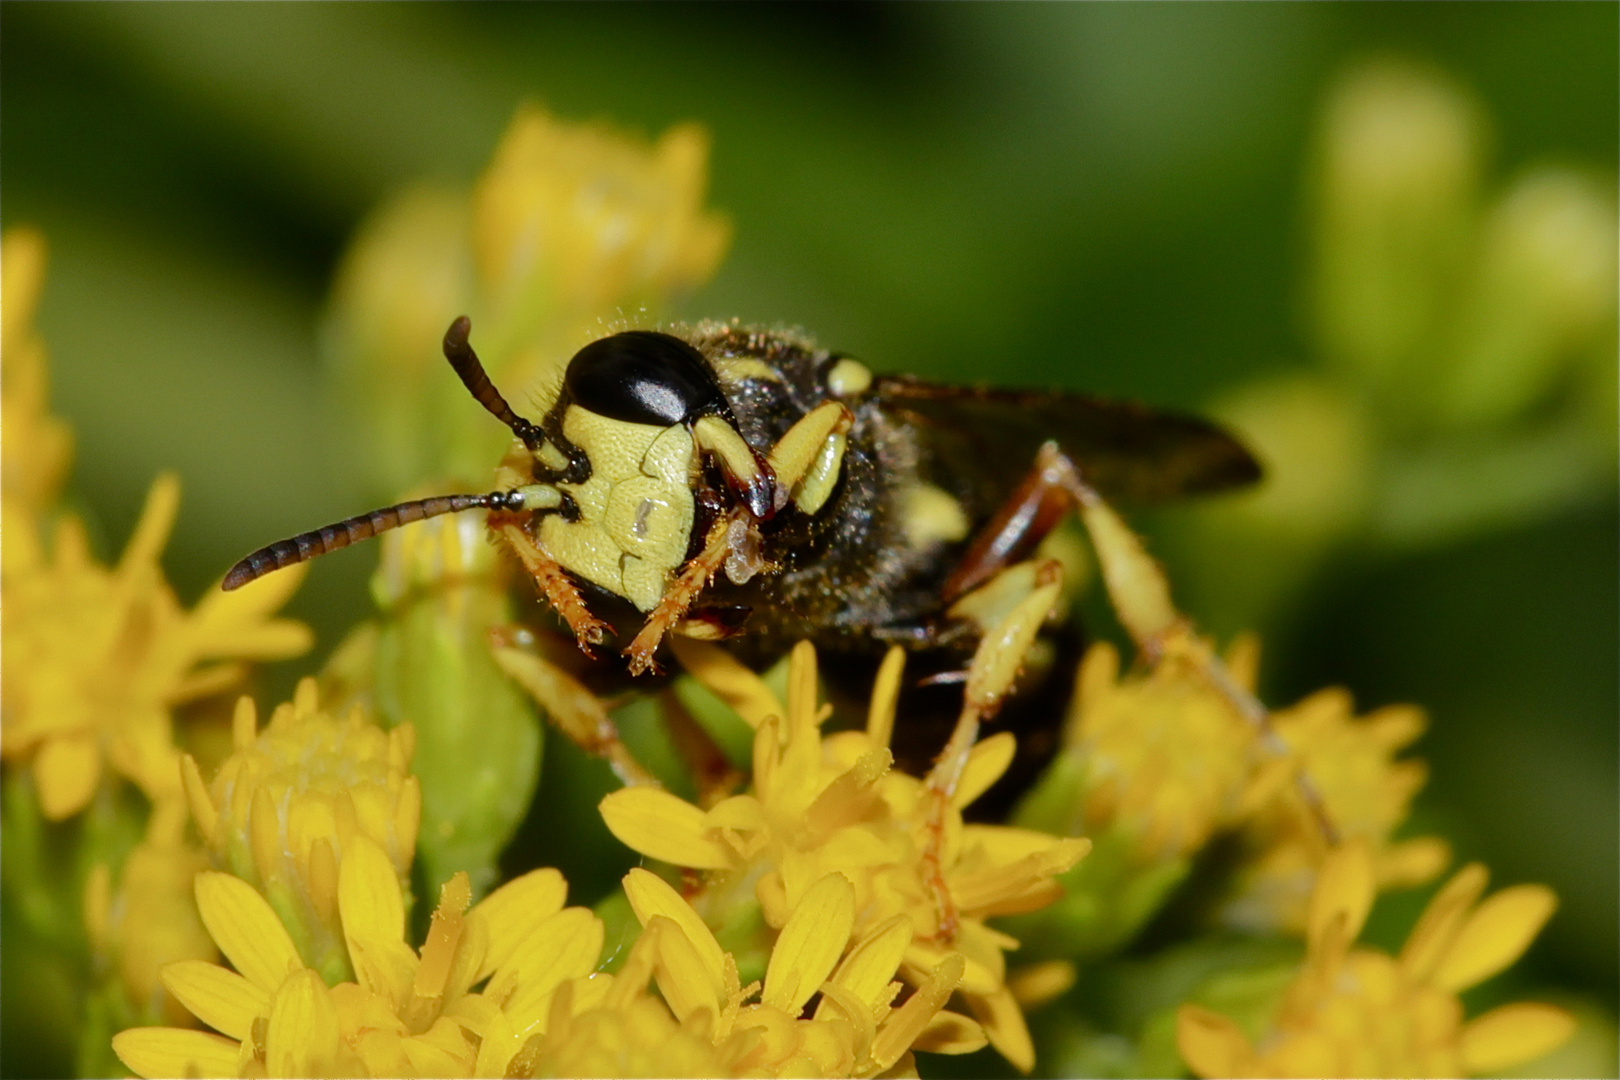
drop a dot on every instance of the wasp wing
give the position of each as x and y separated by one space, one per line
1126 451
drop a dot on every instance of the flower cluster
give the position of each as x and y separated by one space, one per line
820 803
510 985
1359 1012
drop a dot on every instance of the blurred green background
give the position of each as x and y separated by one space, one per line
1105 197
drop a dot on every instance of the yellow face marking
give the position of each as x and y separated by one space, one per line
848 377
635 512
932 516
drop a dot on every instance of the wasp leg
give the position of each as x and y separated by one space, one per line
807 458
1011 607
1036 506
705 761
554 584
577 712
683 592
1140 594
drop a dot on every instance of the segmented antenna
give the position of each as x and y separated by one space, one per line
305 546
460 353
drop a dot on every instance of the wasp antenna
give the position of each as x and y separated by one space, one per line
305 546
459 351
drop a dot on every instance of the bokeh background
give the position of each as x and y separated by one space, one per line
1125 199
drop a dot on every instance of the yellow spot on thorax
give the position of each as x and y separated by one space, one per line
932 516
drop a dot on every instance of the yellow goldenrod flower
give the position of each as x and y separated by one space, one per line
1367 793
406 1013
820 804
1161 755
283 810
584 219
96 656
1359 1012
150 919
571 227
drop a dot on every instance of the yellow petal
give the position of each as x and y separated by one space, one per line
1512 1034
302 1036
66 771
683 975
903 1026
1495 935
246 930
885 696
989 759
801 691
810 944
651 895
156 1051
1037 984
1344 886
871 964
235 623
728 678
1004 1023
443 939
368 892
223 1000
1211 1044
661 826
512 911
951 1033
152 530
203 811
1429 940
564 946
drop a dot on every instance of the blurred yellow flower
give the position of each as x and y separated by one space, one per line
1360 1012
823 804
34 445
1163 756
1367 793
572 227
95 657
581 219
283 809
150 918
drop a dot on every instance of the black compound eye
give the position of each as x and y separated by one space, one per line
643 377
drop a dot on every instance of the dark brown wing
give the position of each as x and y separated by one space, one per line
1127 452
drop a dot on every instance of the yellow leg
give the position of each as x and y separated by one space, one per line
1024 594
577 712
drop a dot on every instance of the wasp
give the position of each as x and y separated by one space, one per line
740 485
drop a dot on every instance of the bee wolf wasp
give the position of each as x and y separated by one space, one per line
740 485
